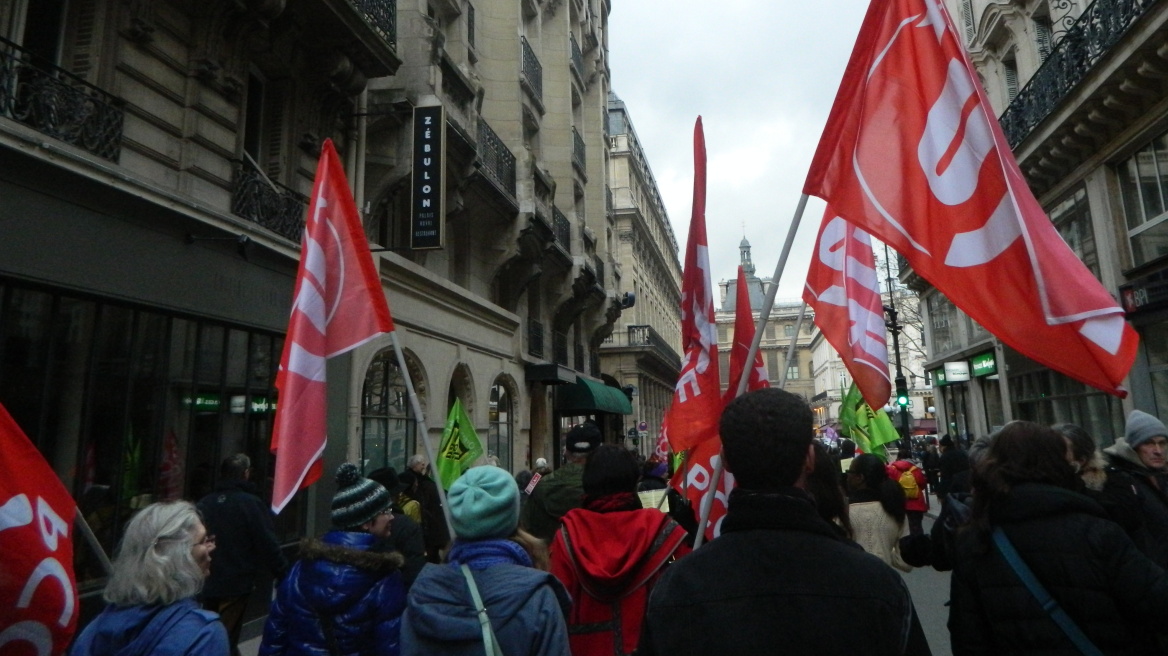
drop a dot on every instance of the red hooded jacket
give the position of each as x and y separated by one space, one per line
920 503
609 563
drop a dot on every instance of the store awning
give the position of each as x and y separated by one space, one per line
587 395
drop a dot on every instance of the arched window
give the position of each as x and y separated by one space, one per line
387 421
501 429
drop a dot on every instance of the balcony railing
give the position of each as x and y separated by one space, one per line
57 103
578 151
267 203
498 160
577 58
562 228
534 338
560 347
531 69
645 336
381 16
1093 35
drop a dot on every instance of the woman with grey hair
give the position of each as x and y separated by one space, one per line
160 566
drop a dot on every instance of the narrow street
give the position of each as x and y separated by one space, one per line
930 592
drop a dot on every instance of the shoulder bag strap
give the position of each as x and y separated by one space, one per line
490 642
1052 607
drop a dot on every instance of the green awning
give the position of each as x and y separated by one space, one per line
587 396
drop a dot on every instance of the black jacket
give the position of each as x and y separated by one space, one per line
245 540
435 534
779 579
1087 563
952 462
1135 496
405 537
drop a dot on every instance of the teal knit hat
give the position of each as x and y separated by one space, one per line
484 504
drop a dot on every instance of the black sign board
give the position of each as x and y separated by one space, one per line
426 215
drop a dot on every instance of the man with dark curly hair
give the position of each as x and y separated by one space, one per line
779 576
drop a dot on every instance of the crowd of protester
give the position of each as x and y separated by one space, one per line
1054 547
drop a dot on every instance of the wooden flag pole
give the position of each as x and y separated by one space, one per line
422 429
768 303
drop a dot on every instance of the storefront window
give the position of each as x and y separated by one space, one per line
1048 397
502 425
388 423
132 406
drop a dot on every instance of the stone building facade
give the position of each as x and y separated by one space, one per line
155 162
1079 90
642 353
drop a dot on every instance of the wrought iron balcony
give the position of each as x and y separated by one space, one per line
1093 35
531 69
59 104
577 58
498 160
647 336
381 16
578 152
267 203
560 347
534 338
562 229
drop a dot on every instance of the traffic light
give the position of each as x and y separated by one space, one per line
901 392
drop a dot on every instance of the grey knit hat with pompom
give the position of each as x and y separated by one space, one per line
358 499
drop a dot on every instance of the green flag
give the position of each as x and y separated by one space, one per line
869 429
460 446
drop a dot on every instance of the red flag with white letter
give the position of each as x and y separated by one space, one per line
843 289
38 590
697 400
743 336
694 480
913 154
338 305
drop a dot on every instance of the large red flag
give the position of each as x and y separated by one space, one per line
694 480
743 336
338 306
38 590
697 401
912 154
843 289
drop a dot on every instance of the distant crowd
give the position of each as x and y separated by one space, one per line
1055 547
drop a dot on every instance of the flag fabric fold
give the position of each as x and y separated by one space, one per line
38 588
843 290
913 154
697 402
743 336
338 305
460 446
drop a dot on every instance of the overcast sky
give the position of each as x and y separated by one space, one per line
762 74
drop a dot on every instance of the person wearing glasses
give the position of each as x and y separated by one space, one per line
342 596
161 563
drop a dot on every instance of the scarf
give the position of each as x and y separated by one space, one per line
613 502
481 554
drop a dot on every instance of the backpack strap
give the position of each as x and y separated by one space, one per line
1048 603
490 642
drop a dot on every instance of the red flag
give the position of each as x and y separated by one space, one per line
843 289
38 590
338 306
661 450
697 402
694 480
912 154
743 336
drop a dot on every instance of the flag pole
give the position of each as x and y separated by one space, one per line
92 541
422 428
768 302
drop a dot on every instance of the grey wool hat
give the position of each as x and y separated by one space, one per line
358 499
1142 427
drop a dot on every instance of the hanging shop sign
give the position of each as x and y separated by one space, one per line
956 372
984 364
429 184
939 378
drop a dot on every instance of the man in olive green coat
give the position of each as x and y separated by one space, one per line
562 490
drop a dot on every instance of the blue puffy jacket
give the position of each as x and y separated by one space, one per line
180 629
339 599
